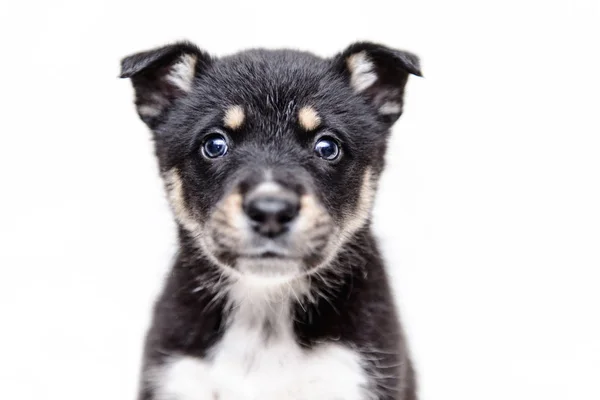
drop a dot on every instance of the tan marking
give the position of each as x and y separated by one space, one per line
309 211
355 221
227 221
232 207
363 207
309 118
234 117
313 221
176 199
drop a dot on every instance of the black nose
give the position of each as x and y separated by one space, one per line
271 215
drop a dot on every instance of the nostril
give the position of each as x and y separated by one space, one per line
288 212
256 211
264 208
271 215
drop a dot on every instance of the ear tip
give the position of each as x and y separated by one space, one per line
417 72
134 63
128 68
410 61
414 66
124 74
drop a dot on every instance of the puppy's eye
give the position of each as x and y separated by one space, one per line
215 145
327 149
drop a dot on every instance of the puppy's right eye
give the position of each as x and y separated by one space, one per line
214 146
327 148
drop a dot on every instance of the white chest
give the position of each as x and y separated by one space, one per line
248 365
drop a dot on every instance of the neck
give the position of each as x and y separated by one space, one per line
329 303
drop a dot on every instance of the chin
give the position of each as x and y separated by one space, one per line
269 269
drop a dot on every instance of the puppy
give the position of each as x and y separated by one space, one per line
270 160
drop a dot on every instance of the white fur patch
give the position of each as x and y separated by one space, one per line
252 361
362 74
182 73
267 188
149 110
390 107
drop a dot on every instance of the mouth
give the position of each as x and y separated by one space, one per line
292 253
269 260
267 249
267 255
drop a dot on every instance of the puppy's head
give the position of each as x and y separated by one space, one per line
270 158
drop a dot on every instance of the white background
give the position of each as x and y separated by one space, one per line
489 212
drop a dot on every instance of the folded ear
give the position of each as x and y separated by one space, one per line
161 76
379 74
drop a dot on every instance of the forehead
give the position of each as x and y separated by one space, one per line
252 74
264 82
279 89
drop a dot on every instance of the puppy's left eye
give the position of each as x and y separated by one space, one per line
327 149
215 145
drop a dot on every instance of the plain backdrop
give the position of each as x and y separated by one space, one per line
488 214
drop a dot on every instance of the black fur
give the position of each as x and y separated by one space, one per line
272 86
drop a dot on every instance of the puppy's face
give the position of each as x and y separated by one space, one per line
270 158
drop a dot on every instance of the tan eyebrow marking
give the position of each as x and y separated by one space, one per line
309 118
234 117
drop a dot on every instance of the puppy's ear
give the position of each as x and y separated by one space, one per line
161 76
379 74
